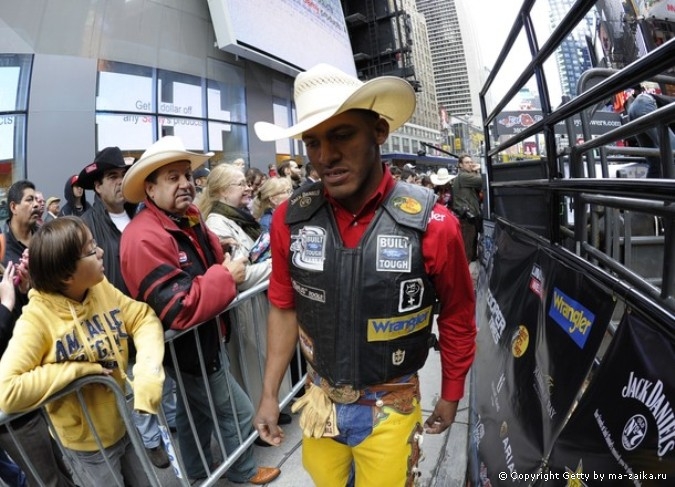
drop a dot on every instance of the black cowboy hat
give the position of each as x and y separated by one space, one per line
108 158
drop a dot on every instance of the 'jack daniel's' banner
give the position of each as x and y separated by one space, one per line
624 427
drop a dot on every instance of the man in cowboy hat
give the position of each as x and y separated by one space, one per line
350 245
172 261
109 215
441 181
107 218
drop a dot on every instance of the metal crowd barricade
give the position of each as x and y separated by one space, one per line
247 318
76 388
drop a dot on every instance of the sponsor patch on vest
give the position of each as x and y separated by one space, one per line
309 292
393 254
410 295
385 329
309 248
398 357
571 316
407 204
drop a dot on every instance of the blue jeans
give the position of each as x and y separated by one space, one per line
195 389
10 473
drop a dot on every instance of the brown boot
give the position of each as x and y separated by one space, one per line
264 475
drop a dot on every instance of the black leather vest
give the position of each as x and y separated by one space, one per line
365 313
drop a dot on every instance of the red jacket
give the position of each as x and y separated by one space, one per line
176 267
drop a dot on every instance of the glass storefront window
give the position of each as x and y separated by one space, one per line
228 141
15 71
180 94
137 105
130 132
124 88
190 131
226 92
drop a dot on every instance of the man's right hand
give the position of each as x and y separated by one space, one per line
266 422
236 267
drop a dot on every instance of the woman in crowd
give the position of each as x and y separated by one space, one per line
272 193
224 205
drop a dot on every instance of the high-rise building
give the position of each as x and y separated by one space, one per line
573 56
389 37
448 55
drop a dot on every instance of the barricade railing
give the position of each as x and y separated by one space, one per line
76 389
246 317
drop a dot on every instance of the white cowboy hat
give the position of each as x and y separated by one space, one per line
441 177
324 91
166 150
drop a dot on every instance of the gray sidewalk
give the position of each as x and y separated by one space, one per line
444 457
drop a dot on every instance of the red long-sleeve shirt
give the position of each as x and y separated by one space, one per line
445 263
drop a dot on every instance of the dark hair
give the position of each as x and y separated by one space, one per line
281 170
462 157
252 173
54 251
15 193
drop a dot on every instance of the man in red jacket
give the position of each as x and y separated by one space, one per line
174 263
360 263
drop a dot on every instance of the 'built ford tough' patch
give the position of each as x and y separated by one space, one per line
393 253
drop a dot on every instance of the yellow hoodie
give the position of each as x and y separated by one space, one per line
57 340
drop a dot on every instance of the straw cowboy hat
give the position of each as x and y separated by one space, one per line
441 177
324 91
165 151
108 158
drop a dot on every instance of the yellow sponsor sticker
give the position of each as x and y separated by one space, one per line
408 205
520 341
385 329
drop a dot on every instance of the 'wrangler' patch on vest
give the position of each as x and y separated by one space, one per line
385 329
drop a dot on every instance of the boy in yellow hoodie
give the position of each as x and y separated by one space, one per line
76 324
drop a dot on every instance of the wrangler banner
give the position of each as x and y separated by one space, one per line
541 323
623 430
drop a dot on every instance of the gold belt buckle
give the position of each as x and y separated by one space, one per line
342 395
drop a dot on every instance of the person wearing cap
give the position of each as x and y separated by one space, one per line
367 259
466 188
199 178
109 214
172 261
52 208
76 198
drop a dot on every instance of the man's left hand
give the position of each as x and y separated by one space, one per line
442 417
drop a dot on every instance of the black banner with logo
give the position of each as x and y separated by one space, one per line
541 323
623 430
